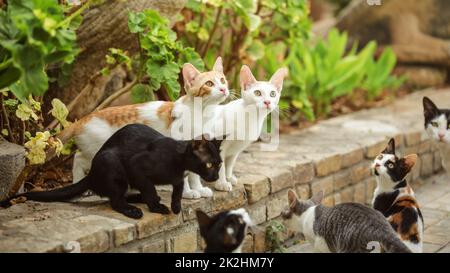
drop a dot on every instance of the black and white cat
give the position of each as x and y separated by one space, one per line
437 125
225 231
344 228
139 157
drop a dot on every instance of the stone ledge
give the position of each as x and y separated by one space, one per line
333 156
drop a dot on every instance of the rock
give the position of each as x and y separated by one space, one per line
12 161
417 31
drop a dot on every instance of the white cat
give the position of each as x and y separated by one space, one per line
242 119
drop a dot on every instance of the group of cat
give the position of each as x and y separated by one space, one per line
132 147
393 224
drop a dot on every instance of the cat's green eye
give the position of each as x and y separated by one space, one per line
390 165
209 83
273 94
222 80
209 165
434 124
257 93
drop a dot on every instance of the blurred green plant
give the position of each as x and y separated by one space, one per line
325 71
274 234
242 31
161 56
35 34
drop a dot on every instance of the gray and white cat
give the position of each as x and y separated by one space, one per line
344 228
437 125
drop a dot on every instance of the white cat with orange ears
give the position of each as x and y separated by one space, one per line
242 120
92 131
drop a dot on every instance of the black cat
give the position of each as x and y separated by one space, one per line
140 157
225 231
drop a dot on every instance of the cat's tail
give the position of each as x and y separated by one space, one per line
392 244
60 194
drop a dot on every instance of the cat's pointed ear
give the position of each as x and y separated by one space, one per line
317 198
292 198
189 74
218 141
278 78
203 221
408 163
390 148
218 65
246 77
430 109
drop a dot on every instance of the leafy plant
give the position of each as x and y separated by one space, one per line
325 71
242 31
274 236
162 56
33 35
378 74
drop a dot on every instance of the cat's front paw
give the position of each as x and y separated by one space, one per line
206 192
232 179
223 186
192 194
176 207
159 208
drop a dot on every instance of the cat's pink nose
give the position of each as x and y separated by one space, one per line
377 165
222 90
441 136
267 103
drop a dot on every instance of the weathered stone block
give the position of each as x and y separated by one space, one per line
347 194
12 161
437 161
375 149
229 200
276 204
328 165
371 184
328 200
352 157
258 212
360 172
412 138
360 193
427 164
304 173
260 240
341 179
326 184
256 186
158 246
303 191
152 223
185 242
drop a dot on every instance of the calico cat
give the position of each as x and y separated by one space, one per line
395 199
437 125
344 228
261 97
139 157
225 231
93 130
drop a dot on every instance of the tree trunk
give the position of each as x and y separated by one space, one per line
104 27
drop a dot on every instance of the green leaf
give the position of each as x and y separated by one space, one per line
256 50
60 112
142 93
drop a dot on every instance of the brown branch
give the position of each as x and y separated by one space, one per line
117 94
216 23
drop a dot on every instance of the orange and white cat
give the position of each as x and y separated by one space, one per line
92 131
